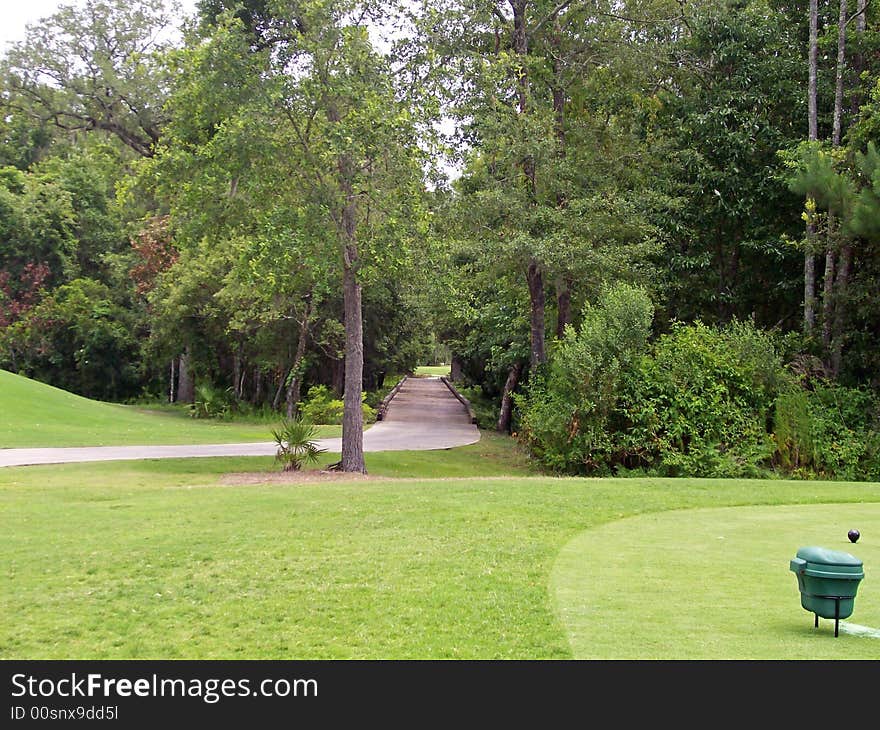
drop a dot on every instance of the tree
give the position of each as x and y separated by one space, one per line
731 104
352 187
556 163
79 338
98 67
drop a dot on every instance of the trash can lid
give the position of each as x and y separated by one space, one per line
824 556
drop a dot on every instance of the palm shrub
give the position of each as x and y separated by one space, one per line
296 443
210 402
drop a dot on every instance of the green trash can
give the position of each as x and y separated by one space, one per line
828 581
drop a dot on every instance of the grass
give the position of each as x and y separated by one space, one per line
699 583
461 553
34 414
428 370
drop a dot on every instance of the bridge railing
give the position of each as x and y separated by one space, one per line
386 401
464 401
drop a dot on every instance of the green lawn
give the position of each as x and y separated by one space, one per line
431 370
462 553
35 414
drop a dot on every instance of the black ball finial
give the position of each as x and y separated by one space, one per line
853 535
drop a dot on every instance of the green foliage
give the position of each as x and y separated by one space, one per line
321 407
829 432
568 414
78 338
738 99
37 223
795 450
211 402
485 409
700 403
98 68
296 443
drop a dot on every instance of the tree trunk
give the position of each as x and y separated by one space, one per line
337 377
828 293
563 305
185 386
506 414
858 60
171 381
258 387
295 384
841 285
833 304
455 369
536 299
812 98
276 401
521 48
563 283
838 83
352 413
813 132
534 274
236 374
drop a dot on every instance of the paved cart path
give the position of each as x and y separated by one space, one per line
424 415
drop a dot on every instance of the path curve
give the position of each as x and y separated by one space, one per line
423 416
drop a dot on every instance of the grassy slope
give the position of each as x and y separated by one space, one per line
162 559
35 414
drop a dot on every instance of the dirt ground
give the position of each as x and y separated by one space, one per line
309 476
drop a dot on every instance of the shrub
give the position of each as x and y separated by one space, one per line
321 407
211 402
828 432
296 444
701 403
568 413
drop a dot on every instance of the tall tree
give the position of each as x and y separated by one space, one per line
812 135
551 151
353 187
99 66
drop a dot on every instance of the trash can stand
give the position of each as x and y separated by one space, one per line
828 581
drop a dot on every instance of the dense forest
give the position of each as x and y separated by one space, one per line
646 235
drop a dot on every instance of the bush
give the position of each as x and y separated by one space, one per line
828 432
321 407
569 412
211 402
702 402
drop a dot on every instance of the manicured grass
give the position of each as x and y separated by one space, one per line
33 414
704 583
431 370
167 559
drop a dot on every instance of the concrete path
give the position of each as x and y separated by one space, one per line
424 415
